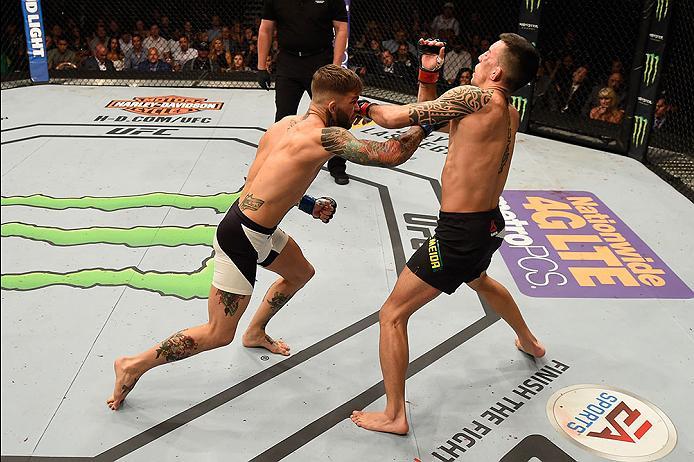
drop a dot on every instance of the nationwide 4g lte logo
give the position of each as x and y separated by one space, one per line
569 244
612 423
165 105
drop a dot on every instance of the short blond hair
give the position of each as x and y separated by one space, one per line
608 92
332 79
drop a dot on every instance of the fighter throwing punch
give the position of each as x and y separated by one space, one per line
482 126
289 157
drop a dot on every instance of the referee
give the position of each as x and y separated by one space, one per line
305 35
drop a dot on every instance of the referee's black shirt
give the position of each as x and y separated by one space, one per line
305 25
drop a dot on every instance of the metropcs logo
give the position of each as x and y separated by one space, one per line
612 423
165 105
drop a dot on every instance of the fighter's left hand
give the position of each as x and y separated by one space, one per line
324 209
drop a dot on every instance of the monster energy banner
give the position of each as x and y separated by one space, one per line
652 65
528 27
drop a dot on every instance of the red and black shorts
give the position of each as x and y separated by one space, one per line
460 250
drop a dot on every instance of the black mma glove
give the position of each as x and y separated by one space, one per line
430 47
321 209
263 78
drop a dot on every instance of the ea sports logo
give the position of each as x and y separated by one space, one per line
612 423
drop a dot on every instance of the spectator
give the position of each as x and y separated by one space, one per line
251 57
220 56
457 58
99 38
464 76
572 99
390 67
125 42
239 64
98 61
228 42
165 27
445 20
616 82
156 41
188 31
115 55
61 57
77 42
113 28
153 63
404 56
399 39
661 116
140 29
607 111
202 62
215 29
136 55
182 53
56 33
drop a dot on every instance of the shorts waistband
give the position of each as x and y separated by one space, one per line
482 214
250 223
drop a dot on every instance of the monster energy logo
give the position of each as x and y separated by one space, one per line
520 104
532 5
640 126
185 285
660 9
652 61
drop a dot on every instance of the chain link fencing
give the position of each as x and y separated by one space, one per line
580 93
671 148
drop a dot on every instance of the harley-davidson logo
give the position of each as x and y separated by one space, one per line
165 105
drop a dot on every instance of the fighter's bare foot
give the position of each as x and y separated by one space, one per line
125 382
380 422
532 348
265 341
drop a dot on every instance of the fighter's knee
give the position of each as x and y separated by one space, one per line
306 274
390 316
221 338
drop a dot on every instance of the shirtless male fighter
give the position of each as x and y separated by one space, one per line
289 157
482 126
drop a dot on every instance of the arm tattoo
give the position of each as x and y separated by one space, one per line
176 347
395 151
250 202
230 302
454 104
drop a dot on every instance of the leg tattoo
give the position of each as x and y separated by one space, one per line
177 347
230 302
277 302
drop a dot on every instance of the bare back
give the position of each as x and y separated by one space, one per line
282 171
479 155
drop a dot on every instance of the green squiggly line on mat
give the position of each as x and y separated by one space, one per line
140 236
219 202
182 285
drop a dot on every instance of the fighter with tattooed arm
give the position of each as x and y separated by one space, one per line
482 127
289 157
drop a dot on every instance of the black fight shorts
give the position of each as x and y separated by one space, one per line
461 249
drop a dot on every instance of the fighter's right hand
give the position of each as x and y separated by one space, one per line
321 209
431 52
263 77
362 115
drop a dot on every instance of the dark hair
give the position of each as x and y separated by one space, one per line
334 79
520 60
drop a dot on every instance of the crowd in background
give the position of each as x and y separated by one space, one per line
384 51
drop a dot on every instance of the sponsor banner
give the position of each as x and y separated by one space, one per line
165 105
568 244
612 423
36 44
